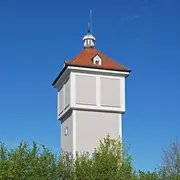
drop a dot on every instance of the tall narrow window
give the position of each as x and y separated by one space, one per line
70 155
66 131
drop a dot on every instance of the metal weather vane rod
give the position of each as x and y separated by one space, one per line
90 20
89 28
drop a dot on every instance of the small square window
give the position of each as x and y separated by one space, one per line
66 131
97 62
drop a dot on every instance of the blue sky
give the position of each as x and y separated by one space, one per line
37 36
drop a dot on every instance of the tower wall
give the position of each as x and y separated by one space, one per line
90 106
85 90
67 140
64 95
87 128
98 92
91 127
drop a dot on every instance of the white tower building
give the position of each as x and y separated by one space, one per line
91 98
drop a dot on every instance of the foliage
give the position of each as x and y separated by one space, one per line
38 162
23 162
111 161
149 176
170 167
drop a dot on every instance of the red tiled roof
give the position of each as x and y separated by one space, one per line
84 59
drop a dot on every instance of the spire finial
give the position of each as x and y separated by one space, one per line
90 23
89 39
89 28
90 20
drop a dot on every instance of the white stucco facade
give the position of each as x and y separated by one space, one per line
92 126
90 103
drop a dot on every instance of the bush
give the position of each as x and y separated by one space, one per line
37 162
110 162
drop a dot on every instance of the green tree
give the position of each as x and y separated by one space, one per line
3 161
170 168
83 167
65 167
149 175
110 162
24 163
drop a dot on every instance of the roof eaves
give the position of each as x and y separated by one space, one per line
59 75
96 67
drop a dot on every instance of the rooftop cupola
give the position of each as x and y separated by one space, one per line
89 39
